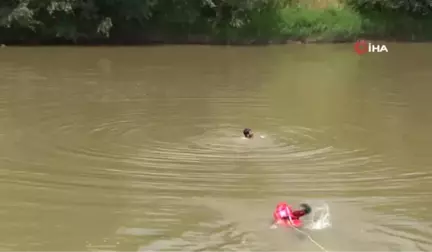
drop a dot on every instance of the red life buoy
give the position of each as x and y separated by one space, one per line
283 215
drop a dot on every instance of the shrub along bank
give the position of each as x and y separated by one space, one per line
210 21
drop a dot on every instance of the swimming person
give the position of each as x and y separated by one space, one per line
248 133
285 216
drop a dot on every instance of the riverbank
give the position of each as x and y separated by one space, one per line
298 23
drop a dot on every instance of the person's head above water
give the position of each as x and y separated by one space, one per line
248 133
306 208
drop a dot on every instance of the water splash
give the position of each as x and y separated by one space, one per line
320 218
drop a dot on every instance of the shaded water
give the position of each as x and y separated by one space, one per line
137 149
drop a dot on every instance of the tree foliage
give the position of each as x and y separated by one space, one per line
92 19
406 7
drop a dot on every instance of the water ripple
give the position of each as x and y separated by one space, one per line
149 155
291 154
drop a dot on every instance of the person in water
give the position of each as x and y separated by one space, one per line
284 215
248 133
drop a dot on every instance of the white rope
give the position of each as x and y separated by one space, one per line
311 239
307 235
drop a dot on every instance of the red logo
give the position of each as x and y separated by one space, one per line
361 47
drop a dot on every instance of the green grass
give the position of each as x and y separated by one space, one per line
300 23
322 24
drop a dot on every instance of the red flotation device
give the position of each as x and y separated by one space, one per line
283 216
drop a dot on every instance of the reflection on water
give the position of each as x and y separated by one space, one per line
139 149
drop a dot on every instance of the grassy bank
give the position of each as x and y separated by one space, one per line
336 23
210 21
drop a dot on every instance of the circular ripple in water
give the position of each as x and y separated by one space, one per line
219 159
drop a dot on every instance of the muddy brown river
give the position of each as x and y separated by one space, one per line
141 148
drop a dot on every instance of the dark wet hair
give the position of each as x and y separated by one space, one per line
246 131
306 208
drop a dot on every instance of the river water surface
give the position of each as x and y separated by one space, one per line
141 149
